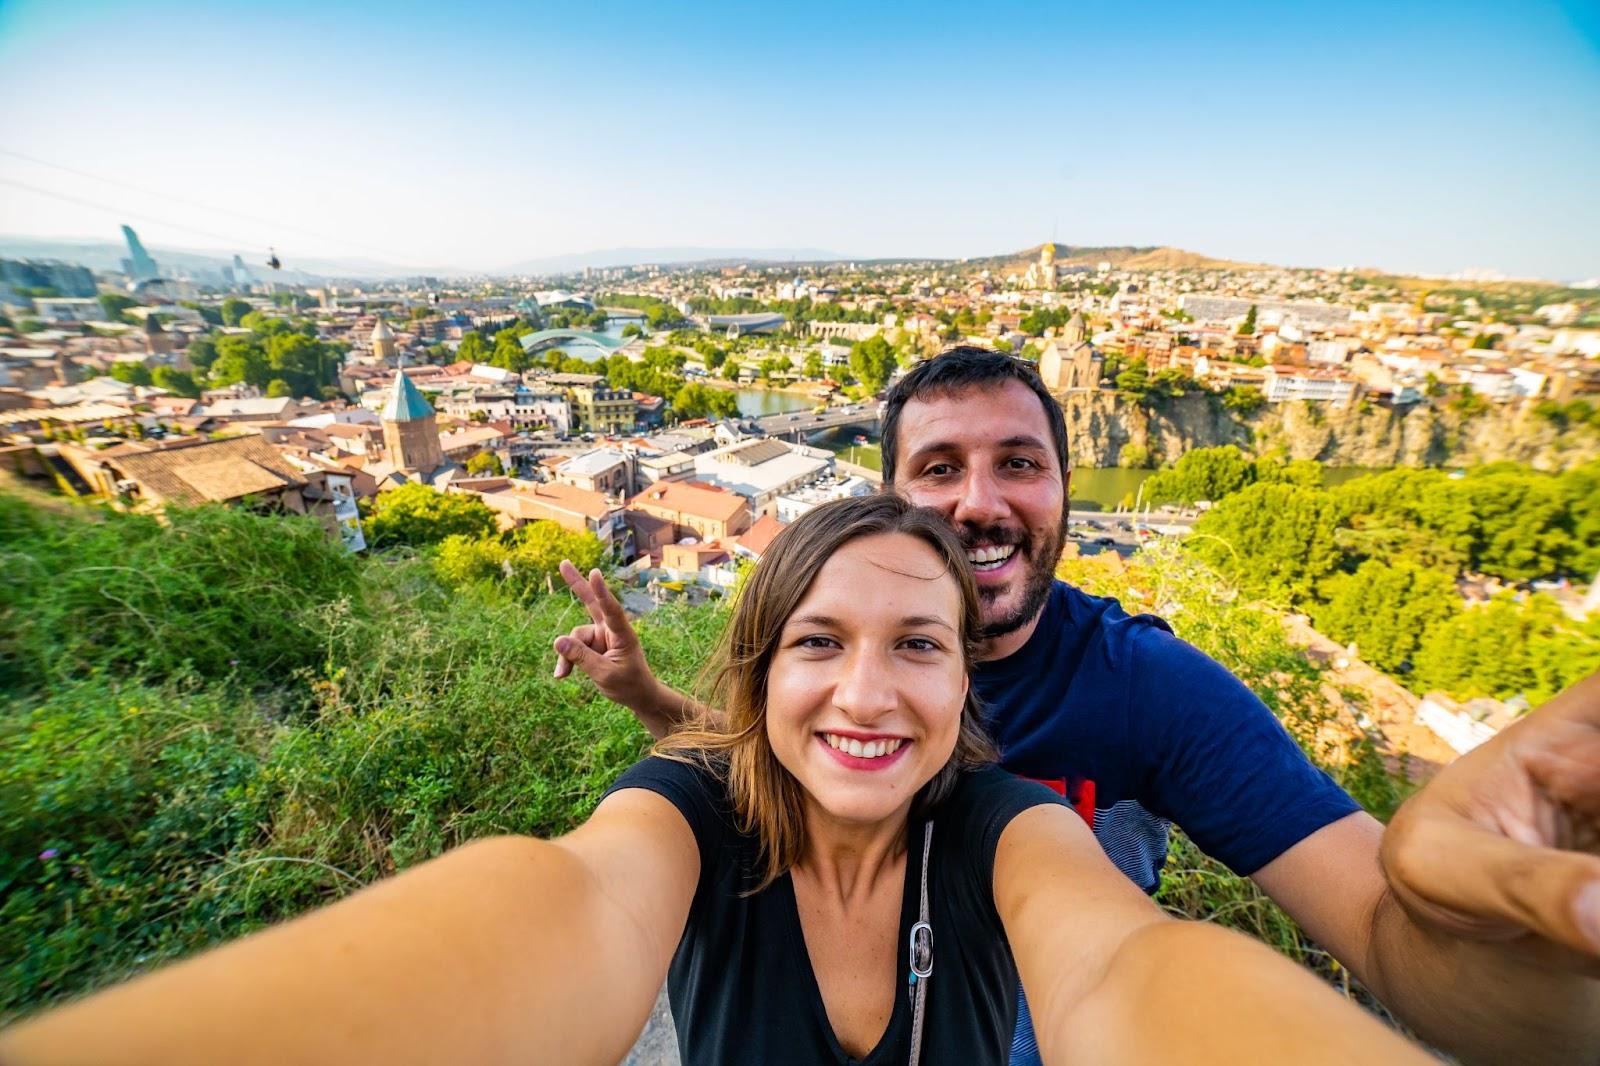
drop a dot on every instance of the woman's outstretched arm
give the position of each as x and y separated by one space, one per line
505 950
1111 978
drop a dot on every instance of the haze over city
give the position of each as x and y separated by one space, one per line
486 136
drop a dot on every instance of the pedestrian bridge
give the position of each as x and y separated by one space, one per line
549 338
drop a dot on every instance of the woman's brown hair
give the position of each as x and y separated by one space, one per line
767 800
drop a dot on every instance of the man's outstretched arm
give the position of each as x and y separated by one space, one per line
1476 916
609 652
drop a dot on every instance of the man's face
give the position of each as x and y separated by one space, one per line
983 458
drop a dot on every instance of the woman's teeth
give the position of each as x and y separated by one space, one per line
990 558
872 749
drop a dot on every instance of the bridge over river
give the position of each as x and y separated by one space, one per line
797 425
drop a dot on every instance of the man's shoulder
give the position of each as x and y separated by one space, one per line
1111 632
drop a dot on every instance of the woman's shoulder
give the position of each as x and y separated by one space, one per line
693 782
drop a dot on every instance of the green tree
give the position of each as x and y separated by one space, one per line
472 348
1506 648
1306 473
301 362
730 370
485 464
132 373
813 365
417 515
211 316
234 310
1581 487
873 361
202 353
278 387
1522 523
1244 399
1483 341
1387 611
1275 541
632 330
1248 326
695 400
1135 380
508 353
112 304
1201 474
537 549
180 382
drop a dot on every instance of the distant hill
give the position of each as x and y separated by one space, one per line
683 256
1124 257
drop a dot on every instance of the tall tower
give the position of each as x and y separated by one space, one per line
383 340
410 429
138 266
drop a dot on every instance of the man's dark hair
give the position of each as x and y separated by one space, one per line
963 367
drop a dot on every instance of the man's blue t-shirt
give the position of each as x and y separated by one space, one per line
1139 729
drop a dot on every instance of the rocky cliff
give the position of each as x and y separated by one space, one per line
1101 424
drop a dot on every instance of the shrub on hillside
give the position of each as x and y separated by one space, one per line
215 591
419 516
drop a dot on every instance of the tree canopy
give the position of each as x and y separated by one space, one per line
417 515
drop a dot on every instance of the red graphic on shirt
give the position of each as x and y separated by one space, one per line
1079 792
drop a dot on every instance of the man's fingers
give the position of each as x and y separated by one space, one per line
1570 774
582 589
1477 880
611 613
570 652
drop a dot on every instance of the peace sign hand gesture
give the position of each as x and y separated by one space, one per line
609 652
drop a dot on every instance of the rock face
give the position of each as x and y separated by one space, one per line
1101 424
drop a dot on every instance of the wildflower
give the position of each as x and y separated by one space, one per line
47 854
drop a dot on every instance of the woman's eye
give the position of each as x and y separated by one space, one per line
921 644
817 642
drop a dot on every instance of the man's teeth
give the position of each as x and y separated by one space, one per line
872 749
990 558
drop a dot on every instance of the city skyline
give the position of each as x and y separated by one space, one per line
1379 136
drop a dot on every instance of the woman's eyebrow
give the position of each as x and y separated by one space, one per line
827 621
811 620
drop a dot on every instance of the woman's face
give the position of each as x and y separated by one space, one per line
865 692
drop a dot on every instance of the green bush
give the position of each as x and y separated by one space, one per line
216 592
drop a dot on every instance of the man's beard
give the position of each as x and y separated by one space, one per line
1040 560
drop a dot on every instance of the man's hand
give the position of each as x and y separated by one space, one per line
608 650
1504 844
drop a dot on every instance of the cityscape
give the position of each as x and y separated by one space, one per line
263 473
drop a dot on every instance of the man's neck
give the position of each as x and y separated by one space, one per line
1009 644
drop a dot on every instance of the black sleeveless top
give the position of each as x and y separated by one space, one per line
741 984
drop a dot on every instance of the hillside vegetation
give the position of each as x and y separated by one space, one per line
218 722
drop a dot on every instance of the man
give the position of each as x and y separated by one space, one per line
1465 917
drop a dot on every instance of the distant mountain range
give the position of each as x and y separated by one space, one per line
108 255
615 257
206 265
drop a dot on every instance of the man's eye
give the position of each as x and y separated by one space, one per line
1019 463
938 470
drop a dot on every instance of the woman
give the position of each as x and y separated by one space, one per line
831 868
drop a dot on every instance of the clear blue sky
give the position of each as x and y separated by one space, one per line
1416 137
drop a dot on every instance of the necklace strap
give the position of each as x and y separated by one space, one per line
921 951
